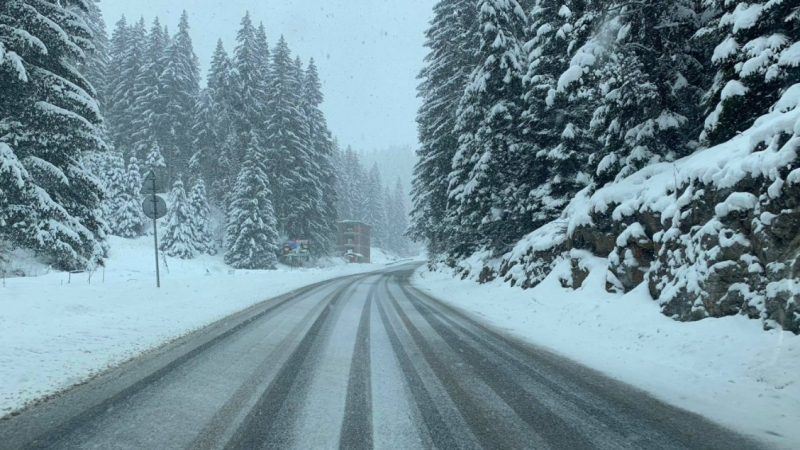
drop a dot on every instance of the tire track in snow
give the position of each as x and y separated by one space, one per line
255 431
312 416
217 429
432 419
602 420
546 424
481 416
357 424
94 413
396 420
627 418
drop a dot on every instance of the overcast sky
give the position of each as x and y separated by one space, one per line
369 52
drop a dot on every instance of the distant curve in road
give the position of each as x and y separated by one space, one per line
360 362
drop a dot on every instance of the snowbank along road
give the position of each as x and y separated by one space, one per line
360 362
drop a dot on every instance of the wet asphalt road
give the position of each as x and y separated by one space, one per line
359 362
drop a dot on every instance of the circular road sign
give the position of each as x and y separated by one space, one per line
154 207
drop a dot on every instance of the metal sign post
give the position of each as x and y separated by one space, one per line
155 235
154 207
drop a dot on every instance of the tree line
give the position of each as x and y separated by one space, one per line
255 136
84 116
528 102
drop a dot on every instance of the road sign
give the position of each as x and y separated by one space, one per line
154 207
152 184
296 247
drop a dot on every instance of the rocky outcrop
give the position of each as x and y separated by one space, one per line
535 257
630 259
731 251
712 253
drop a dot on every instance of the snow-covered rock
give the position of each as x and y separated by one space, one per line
714 234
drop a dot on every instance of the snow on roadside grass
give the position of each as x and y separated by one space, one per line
728 369
56 334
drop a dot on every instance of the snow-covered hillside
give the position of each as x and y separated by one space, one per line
381 256
58 329
714 234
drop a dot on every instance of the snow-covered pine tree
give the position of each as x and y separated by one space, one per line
246 103
208 136
17 191
397 219
575 95
180 84
488 195
262 52
352 185
215 127
356 184
155 160
375 209
149 124
248 93
344 206
113 74
97 58
556 122
128 220
757 56
168 36
49 119
321 230
98 165
199 219
220 75
262 60
222 187
177 236
308 189
128 47
286 139
391 242
651 83
251 236
452 41
113 172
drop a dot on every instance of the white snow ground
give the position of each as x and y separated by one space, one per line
729 369
380 256
57 332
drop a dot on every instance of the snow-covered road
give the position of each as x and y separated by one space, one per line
365 361
728 369
58 330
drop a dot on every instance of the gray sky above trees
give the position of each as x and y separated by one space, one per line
369 52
